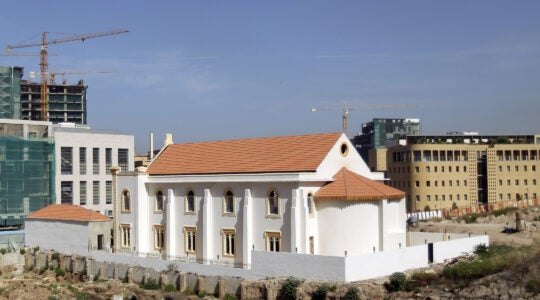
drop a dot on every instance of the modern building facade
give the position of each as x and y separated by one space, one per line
214 202
85 156
461 170
376 133
26 169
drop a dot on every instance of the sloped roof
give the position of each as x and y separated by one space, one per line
348 185
300 153
67 213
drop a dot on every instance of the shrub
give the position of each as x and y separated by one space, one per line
22 251
288 289
475 269
3 251
421 278
202 294
397 282
55 255
533 285
150 284
36 249
470 218
322 290
59 272
427 208
42 270
29 268
229 297
454 205
352 294
169 288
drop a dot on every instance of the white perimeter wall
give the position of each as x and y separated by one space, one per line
64 237
454 248
314 267
385 263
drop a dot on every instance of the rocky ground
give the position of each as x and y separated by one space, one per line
17 283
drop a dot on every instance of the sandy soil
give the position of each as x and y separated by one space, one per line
492 226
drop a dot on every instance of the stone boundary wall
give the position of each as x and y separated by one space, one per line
89 269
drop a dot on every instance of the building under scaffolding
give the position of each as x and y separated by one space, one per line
21 99
10 92
26 169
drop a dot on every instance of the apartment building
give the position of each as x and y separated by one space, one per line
461 170
84 158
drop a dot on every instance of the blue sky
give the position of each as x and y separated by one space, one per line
213 70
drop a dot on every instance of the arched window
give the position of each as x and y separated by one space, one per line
228 202
310 203
159 201
126 201
273 203
190 202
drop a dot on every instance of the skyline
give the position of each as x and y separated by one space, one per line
215 71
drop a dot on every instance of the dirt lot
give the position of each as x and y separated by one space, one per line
493 226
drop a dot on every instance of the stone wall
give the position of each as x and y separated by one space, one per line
89 269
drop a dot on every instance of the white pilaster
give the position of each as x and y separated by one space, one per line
247 235
141 224
208 247
383 224
295 221
170 229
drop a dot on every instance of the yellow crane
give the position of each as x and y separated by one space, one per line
44 61
346 110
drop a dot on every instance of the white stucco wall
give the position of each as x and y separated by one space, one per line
454 248
65 237
350 226
314 267
362 267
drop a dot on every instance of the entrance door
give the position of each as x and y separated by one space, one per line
100 241
311 245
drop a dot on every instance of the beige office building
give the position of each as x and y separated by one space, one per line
438 171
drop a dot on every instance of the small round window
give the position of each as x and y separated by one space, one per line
344 149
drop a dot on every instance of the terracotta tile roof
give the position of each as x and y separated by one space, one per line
348 185
68 213
301 153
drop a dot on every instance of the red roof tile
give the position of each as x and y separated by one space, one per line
301 153
348 185
68 213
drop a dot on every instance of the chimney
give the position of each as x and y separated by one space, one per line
151 145
168 140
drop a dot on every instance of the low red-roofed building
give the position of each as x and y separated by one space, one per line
216 202
70 229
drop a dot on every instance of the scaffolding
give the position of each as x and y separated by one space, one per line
10 92
26 177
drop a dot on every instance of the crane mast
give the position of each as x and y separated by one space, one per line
44 60
346 110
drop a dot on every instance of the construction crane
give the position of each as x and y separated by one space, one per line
44 61
52 75
346 110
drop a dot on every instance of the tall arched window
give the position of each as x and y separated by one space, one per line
159 201
190 202
310 203
228 202
126 201
273 203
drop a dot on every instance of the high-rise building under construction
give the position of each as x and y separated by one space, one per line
21 99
